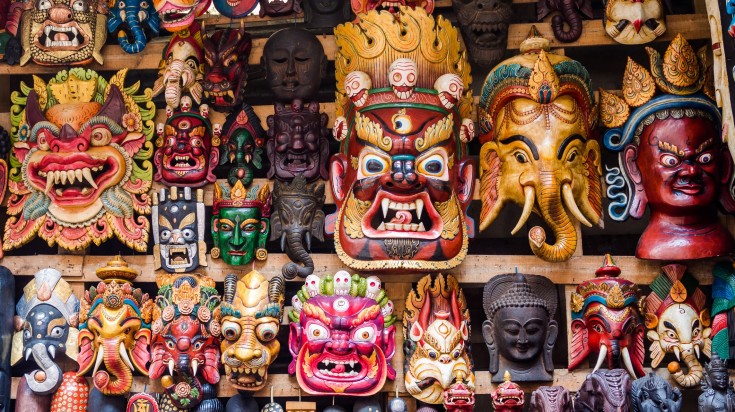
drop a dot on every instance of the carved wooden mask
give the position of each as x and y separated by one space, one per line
274 8
363 6
634 22
508 397
484 25
226 67
182 68
295 65
235 8
178 230
179 15
132 18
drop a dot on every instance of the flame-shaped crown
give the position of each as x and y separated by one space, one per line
605 289
237 196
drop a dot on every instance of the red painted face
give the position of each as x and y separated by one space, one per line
183 344
185 155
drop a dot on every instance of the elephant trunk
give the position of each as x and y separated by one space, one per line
694 375
131 18
177 396
551 207
118 378
48 379
294 242
571 16
173 83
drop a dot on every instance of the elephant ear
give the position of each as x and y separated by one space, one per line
639 351
579 347
591 204
275 225
657 355
492 347
492 203
86 351
157 368
317 225
140 355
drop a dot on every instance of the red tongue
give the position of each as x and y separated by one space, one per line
338 369
402 216
61 37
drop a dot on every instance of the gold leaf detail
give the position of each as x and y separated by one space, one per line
614 111
576 302
543 85
438 132
678 292
449 212
372 133
681 66
615 299
354 211
638 84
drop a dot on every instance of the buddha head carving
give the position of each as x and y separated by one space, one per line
342 335
484 25
178 230
508 397
520 330
226 55
633 21
537 117
605 319
82 164
653 394
402 180
242 141
671 157
182 68
295 64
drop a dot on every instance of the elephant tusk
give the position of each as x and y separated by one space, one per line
124 357
52 351
308 240
28 353
677 352
601 357
696 351
627 362
98 362
566 191
283 242
527 209
171 367
194 366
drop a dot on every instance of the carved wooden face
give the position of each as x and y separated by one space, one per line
226 67
239 233
132 18
273 8
181 70
235 8
295 64
297 143
484 25
178 230
634 21
178 15
185 154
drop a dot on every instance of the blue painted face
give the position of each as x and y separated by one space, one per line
132 18
235 9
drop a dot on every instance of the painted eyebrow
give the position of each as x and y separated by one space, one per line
669 325
524 139
566 143
704 146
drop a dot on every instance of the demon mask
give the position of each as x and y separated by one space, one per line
274 8
114 330
325 13
226 67
634 21
671 157
187 149
537 117
80 167
653 394
182 68
295 64
63 32
242 141
178 15
605 320
235 8
508 397
363 6
402 180
520 330
342 335
436 326
186 337
297 142
723 312
297 216
717 390
551 399
240 223
484 25
251 317
678 322
605 391
47 317
132 18
178 230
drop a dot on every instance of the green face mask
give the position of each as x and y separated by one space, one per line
240 235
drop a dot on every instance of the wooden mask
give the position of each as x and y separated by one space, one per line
484 28
235 8
364 6
402 180
436 327
181 69
537 116
178 230
671 156
80 164
7 296
274 8
342 335
132 18
325 13
242 141
634 22
179 15
508 397
570 13
605 390
63 32
226 67
606 321
653 394
295 65
551 399
723 301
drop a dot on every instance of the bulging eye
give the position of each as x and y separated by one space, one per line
364 334
78 5
42 142
521 157
671 334
143 4
597 328
170 344
171 141
373 165
121 5
266 332
57 331
572 156
670 160
401 123
188 234
433 354
101 136
196 142
165 235
456 354
317 332
705 158
198 345
43 5
192 64
432 166
230 330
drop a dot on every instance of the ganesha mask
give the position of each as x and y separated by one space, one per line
178 230
605 320
342 335
226 67
80 167
667 132
484 25
182 68
653 393
178 15
114 332
132 18
402 180
537 117
63 32
634 22
436 326
186 337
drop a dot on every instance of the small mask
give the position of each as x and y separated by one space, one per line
297 142
653 394
551 399
242 144
178 230
484 25
325 13
605 390
240 223
295 64
226 67
605 319
274 8
132 18
569 15
671 157
634 22
363 6
63 32
342 335
179 15
508 397
436 326
182 68
520 330
717 390
235 8
82 165
251 317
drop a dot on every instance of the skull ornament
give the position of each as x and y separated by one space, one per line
403 76
450 90
357 85
634 22
178 230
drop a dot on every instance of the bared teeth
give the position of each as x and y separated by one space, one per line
419 207
49 182
87 176
385 204
61 177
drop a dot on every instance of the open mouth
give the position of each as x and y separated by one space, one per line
184 164
72 177
247 377
392 216
344 369
226 96
489 34
178 256
68 37
174 15
508 400
296 162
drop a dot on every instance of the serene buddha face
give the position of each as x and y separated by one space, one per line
520 332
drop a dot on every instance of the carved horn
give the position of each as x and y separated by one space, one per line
230 286
275 289
425 311
114 106
456 315
34 113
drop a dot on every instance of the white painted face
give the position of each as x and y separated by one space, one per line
312 285
467 131
342 283
340 128
403 75
296 303
159 129
204 110
387 310
357 84
373 287
217 129
450 89
186 103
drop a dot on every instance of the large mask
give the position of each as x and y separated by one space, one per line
7 296
537 117
402 180
251 317
115 329
520 330
297 142
653 394
342 335
436 326
274 8
295 64
182 68
133 18
551 399
179 15
47 317
363 6
325 13
63 32
717 390
634 21
570 13
671 157
187 149
605 391
508 397
297 216
178 230
186 338
723 310
80 169
484 25
226 67
241 146
678 322
605 319
235 8
240 224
